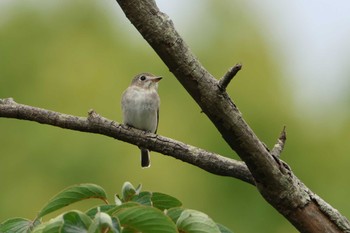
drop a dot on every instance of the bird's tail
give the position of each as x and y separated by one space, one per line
145 159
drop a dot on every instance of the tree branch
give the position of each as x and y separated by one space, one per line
276 183
230 74
95 123
279 146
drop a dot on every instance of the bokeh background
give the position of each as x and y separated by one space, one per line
71 56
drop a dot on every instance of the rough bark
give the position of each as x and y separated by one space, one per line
95 123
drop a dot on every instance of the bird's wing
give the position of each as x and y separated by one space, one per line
157 120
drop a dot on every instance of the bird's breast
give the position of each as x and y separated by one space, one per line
140 109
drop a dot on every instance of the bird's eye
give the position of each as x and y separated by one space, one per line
143 78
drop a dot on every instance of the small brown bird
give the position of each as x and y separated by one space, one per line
140 105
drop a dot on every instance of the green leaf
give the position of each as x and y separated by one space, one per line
145 219
223 229
144 198
117 209
192 221
16 225
158 200
138 188
128 191
163 201
72 195
174 213
117 200
109 209
75 222
68 222
102 222
52 226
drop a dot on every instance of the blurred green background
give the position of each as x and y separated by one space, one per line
71 56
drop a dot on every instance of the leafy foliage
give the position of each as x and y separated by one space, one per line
71 195
133 211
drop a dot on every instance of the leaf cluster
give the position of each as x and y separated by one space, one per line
133 211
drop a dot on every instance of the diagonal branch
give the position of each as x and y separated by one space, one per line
95 123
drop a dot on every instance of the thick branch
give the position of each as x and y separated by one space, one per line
94 123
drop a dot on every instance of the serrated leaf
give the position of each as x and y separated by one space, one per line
145 219
223 229
72 195
16 225
192 221
163 201
75 222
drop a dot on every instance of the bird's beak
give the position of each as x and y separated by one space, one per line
156 79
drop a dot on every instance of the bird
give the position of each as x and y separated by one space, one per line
140 106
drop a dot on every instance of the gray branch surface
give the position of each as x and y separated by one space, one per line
273 178
230 74
95 123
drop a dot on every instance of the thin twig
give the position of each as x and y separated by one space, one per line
279 146
230 74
